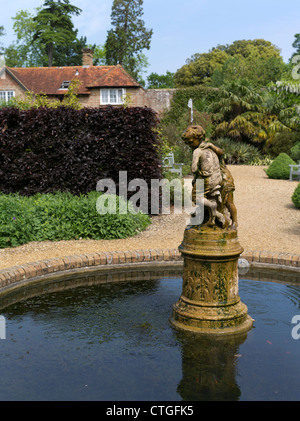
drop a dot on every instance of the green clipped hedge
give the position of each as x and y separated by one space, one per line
201 96
63 216
296 196
279 169
295 152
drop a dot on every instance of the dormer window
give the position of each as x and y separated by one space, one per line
65 84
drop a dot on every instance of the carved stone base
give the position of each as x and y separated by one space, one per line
210 302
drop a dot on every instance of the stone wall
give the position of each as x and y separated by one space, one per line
159 99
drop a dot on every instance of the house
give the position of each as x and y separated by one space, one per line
100 85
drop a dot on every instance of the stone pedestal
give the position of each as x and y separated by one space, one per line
210 301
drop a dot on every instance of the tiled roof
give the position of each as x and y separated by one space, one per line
48 80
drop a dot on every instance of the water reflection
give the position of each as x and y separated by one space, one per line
209 367
107 336
73 281
272 275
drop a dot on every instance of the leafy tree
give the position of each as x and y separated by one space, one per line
25 51
30 51
296 44
283 99
99 54
54 27
259 70
1 33
129 37
71 54
249 48
241 114
2 60
257 60
200 68
156 81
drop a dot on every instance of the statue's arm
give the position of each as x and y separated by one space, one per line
215 148
195 161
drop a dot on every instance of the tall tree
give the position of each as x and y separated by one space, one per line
156 81
70 54
200 68
256 47
25 51
29 51
1 33
259 70
54 27
258 60
296 44
99 57
2 60
129 37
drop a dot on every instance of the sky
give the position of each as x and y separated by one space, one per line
182 28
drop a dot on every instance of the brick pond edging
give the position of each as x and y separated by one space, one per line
30 272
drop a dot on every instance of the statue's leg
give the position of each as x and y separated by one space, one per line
222 219
232 209
212 207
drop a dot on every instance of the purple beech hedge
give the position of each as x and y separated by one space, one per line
43 150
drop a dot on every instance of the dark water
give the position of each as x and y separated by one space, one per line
114 341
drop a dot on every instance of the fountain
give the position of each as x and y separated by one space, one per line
102 332
106 336
210 302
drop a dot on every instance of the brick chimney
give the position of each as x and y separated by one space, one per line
87 57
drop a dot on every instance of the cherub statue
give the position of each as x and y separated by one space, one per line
208 164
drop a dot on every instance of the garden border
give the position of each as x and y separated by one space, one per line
15 276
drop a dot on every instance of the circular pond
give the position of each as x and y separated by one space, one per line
108 337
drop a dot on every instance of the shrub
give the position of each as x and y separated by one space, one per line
31 100
175 188
264 161
279 169
238 152
62 216
202 96
172 131
43 150
283 143
295 152
296 196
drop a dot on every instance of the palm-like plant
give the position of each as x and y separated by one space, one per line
236 97
242 114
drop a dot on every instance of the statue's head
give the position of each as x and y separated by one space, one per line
193 135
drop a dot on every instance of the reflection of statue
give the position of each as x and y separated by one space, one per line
209 367
209 165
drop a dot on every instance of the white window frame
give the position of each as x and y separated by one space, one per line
65 85
107 94
6 95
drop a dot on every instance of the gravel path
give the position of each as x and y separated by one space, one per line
268 221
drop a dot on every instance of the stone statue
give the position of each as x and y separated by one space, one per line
208 164
210 303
